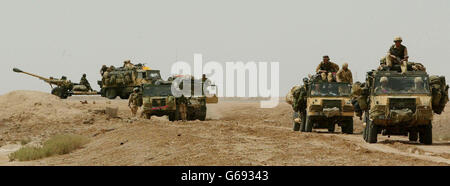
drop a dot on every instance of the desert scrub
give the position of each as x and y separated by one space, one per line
59 144
25 141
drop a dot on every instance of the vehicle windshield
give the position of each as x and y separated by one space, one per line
153 75
331 89
157 90
402 85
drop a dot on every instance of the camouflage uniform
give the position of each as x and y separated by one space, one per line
329 67
85 82
133 103
344 75
400 53
182 102
103 70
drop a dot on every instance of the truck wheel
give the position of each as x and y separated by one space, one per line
426 135
172 117
331 127
303 122
202 115
296 126
124 96
372 132
111 93
308 124
365 133
347 126
413 135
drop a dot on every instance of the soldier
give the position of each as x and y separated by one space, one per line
133 102
182 103
344 74
384 86
418 85
327 68
105 78
103 69
85 82
397 55
128 64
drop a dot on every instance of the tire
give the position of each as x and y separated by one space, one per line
372 132
124 96
426 135
365 133
296 126
347 126
303 122
413 135
172 117
60 92
308 124
331 128
202 116
111 93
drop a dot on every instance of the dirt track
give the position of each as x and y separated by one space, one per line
235 133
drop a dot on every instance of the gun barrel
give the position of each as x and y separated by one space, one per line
30 74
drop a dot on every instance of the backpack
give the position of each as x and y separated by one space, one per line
439 91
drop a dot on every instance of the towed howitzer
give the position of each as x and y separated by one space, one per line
64 88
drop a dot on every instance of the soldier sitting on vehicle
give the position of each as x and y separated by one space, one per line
397 55
327 69
344 75
127 64
85 82
103 70
384 86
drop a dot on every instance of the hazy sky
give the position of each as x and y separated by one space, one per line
55 38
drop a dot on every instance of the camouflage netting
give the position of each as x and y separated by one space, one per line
439 90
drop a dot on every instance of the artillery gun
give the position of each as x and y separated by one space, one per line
64 88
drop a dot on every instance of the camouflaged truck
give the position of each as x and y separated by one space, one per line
401 104
158 100
328 104
121 81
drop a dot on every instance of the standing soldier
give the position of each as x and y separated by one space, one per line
344 75
397 55
326 68
133 102
182 103
85 82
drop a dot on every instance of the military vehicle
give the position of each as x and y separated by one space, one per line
397 103
64 88
158 99
326 104
121 81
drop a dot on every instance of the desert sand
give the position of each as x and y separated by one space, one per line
235 133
